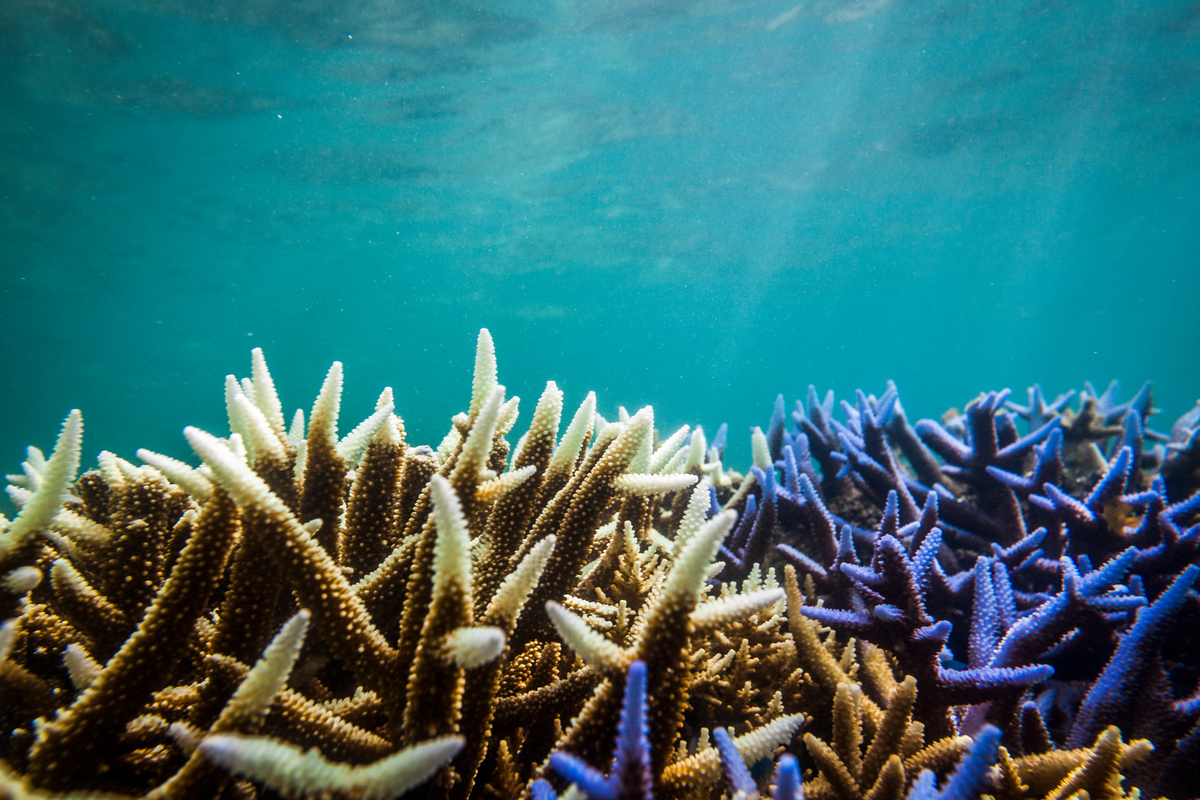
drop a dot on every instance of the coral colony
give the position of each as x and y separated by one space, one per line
998 605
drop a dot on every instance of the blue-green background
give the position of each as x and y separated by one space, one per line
691 204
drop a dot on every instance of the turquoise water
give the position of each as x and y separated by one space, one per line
692 204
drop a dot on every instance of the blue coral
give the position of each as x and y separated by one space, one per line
970 779
1119 695
629 777
896 619
1011 555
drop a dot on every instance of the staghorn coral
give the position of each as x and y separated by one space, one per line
308 614
1037 568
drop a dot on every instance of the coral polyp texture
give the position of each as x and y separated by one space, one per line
998 604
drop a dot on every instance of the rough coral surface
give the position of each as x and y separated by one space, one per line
874 609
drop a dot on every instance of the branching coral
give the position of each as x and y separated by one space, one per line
1027 614
962 610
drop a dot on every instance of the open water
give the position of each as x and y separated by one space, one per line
692 203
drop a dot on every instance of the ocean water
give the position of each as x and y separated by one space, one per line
697 205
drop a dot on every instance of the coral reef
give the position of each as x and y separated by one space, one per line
875 610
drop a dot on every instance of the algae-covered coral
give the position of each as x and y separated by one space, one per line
885 610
